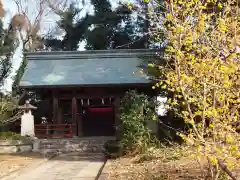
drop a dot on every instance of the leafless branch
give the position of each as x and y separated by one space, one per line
2 11
32 25
57 6
226 170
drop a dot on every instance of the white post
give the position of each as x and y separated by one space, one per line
27 124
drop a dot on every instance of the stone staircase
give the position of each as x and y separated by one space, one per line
76 144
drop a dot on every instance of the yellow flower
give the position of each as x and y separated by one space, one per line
229 140
169 17
164 86
214 160
220 5
154 118
130 6
150 65
211 126
234 148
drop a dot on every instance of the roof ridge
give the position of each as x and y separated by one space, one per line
91 54
93 51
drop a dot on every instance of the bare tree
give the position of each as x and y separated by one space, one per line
59 6
32 13
2 11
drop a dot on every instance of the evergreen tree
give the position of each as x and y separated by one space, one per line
16 90
105 29
73 29
113 28
8 45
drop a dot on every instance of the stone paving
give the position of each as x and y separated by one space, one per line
71 166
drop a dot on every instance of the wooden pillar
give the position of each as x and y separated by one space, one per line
55 110
74 115
116 104
79 121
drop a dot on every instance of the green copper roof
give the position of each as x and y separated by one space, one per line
84 68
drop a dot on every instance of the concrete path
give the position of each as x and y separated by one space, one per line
72 166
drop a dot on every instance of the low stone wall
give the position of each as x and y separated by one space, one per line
77 144
15 146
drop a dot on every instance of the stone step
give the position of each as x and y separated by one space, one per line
70 145
90 144
76 144
78 139
75 148
69 151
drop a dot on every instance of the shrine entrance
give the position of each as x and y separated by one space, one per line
97 117
98 121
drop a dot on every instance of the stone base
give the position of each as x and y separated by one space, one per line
11 146
36 145
77 144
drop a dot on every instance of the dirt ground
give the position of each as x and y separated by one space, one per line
13 162
129 168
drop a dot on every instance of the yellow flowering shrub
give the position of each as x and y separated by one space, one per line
203 71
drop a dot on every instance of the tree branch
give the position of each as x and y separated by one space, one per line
225 169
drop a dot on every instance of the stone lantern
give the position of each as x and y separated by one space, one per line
27 120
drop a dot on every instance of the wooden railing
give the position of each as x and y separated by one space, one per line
53 130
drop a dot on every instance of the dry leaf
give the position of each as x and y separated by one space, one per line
2 11
19 20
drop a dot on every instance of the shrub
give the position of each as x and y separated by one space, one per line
136 110
111 149
11 136
203 72
8 110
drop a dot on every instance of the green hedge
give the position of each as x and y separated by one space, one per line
11 136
